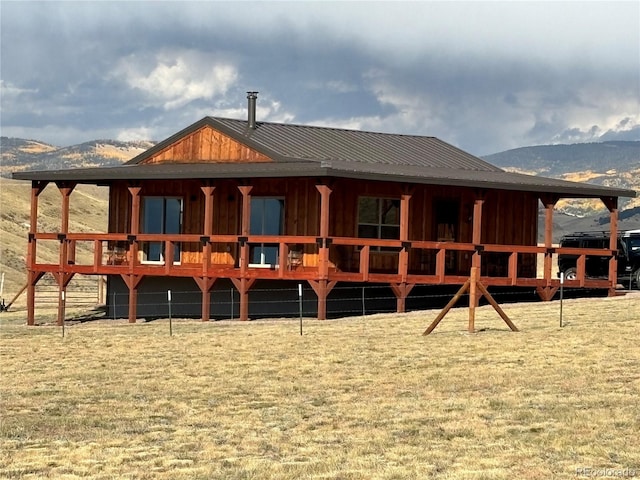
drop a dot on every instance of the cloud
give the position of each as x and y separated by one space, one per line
485 76
178 77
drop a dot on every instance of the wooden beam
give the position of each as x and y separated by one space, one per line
496 307
448 307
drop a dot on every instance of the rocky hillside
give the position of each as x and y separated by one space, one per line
19 154
615 164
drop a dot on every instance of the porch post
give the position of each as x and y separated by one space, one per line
63 278
612 206
549 204
322 289
32 275
243 284
132 280
205 282
476 262
402 290
323 253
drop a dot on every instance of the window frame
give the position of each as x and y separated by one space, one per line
379 225
263 263
144 246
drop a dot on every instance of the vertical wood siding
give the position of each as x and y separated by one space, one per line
207 145
508 218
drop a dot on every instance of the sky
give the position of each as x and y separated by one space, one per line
484 76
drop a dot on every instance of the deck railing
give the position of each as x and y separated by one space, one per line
118 253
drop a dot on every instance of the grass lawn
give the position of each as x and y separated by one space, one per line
359 398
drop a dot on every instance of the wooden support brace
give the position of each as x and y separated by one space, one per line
322 289
448 307
546 294
132 282
243 285
401 291
205 284
62 280
496 307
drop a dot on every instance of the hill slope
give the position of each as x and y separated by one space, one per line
615 164
20 154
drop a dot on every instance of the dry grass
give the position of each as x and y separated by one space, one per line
357 398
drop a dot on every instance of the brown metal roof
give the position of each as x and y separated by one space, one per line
301 151
335 168
283 142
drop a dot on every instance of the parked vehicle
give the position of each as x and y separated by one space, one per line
598 265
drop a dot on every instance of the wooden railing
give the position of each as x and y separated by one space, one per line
116 253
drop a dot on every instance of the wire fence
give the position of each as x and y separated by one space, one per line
300 299
83 291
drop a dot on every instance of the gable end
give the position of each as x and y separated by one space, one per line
206 145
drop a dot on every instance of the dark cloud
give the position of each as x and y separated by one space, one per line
74 71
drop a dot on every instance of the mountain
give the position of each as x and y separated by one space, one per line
19 154
615 164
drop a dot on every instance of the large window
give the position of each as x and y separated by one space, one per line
160 215
267 218
378 218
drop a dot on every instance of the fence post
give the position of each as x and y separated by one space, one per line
170 323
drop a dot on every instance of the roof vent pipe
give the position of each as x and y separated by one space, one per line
251 97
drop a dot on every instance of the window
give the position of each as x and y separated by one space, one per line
378 218
160 215
267 218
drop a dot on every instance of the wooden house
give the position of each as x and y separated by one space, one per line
239 204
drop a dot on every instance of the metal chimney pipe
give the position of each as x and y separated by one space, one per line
251 97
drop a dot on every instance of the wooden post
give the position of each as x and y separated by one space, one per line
476 262
207 229
401 291
32 275
132 281
205 284
612 205
63 278
243 285
245 190
322 289
134 227
403 256
549 204
323 253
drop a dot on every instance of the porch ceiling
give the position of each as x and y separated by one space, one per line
292 167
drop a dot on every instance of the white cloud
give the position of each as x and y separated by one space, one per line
179 77
133 134
9 90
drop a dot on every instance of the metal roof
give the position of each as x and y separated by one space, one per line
300 151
